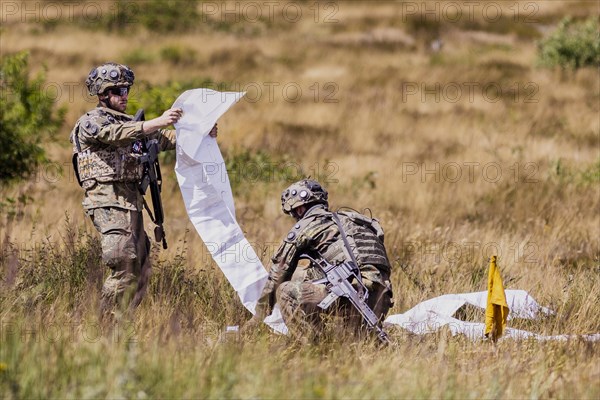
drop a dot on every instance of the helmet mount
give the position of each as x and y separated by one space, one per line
108 75
303 193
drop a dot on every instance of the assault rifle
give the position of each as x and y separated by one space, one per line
337 278
152 177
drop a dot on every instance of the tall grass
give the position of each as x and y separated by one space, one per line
376 146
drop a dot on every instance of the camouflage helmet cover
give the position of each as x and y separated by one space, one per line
306 191
108 75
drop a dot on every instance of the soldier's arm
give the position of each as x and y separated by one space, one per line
124 133
93 128
281 270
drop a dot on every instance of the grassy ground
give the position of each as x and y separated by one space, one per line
461 153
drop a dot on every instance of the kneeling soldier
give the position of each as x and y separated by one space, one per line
336 238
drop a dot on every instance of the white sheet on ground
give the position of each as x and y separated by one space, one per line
208 198
433 314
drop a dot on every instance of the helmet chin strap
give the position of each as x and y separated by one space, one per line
102 100
298 212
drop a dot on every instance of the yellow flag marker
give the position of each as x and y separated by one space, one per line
497 310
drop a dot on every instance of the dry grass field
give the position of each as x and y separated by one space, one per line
442 123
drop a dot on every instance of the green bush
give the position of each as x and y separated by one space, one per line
572 45
27 117
178 55
161 16
137 57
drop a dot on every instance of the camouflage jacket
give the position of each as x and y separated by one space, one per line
317 233
106 143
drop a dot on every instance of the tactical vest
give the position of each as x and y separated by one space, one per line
365 237
101 162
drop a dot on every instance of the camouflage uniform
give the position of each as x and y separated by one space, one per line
106 146
290 285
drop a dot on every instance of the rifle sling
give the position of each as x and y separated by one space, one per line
148 211
75 158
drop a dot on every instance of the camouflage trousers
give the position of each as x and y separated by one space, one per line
298 300
125 250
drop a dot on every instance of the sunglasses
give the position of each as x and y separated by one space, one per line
119 91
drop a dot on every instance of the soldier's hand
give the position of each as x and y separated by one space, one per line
213 132
169 117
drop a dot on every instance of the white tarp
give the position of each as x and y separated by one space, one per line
433 314
207 195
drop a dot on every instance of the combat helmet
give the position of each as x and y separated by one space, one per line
306 191
108 75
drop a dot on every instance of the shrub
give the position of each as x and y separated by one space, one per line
178 55
572 45
27 117
137 57
161 16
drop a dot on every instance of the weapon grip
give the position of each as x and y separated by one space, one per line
327 301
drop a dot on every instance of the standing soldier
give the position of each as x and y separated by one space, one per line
334 237
106 147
